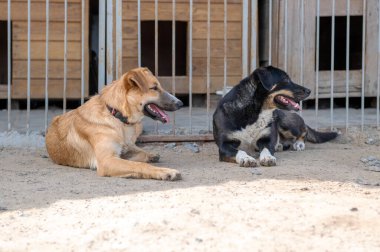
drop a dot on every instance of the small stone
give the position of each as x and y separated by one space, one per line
44 156
362 182
256 171
354 209
198 239
192 146
3 208
195 211
370 141
170 145
374 168
304 189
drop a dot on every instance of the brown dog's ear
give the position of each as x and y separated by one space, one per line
138 77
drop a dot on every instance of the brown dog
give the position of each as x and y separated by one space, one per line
102 132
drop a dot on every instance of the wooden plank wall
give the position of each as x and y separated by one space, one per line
294 47
199 40
56 48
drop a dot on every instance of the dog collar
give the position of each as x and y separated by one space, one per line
116 113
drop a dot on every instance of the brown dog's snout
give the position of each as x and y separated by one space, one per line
169 102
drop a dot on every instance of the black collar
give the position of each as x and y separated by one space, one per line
116 113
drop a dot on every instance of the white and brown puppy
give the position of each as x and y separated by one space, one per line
101 133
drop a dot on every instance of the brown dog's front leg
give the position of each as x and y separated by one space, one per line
134 153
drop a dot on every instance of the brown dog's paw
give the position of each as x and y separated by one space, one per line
153 158
168 174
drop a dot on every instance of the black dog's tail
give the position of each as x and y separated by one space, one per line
319 137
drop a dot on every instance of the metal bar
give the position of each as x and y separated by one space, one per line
28 77
225 48
173 56
177 138
302 31
332 65
347 60
9 103
244 39
363 62
47 65
102 44
286 37
109 43
156 49
378 72
139 33
317 66
191 65
119 38
253 35
65 60
82 53
208 82
270 34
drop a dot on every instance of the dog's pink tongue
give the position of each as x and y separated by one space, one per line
294 104
163 115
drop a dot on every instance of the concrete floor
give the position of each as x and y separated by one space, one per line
200 121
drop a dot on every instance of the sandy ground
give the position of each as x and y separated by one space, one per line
322 199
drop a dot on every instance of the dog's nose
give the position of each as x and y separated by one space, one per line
179 104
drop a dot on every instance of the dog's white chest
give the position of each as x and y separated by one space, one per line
251 133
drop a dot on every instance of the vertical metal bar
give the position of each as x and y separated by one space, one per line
378 72
156 48
347 59
332 64
119 38
244 53
317 66
82 53
109 43
139 33
363 62
28 77
191 65
270 34
225 48
253 35
65 60
286 37
102 44
9 66
47 65
302 31
208 83
173 55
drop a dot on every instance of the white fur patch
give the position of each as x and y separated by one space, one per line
250 134
245 160
266 159
299 145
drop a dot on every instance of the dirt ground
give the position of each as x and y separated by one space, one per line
321 199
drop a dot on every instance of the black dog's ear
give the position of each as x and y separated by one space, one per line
265 76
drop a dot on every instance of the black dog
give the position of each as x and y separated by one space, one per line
293 132
245 118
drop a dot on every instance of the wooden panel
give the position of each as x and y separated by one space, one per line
199 30
20 11
38 30
182 11
37 91
199 66
20 50
356 7
38 69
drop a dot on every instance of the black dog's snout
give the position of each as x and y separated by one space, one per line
307 91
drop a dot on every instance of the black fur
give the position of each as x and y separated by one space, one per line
243 104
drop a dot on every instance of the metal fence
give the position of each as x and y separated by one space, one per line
111 44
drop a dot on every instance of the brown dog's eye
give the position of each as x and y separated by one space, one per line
154 88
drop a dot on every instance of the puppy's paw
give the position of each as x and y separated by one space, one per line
153 158
299 146
266 159
167 174
245 160
279 147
